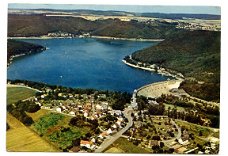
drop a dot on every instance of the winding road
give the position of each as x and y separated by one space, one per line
178 136
111 139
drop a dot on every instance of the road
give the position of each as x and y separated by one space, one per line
106 143
178 136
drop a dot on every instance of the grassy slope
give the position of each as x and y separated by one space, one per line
50 126
22 138
15 94
195 129
123 146
37 115
193 53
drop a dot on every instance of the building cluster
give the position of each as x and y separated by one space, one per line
88 107
97 139
198 26
159 131
61 34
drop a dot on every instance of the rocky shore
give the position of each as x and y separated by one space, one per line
153 68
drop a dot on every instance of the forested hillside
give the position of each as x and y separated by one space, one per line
38 25
15 47
193 53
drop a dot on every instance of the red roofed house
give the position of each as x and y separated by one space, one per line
84 143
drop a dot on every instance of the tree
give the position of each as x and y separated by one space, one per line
171 150
97 131
136 142
148 137
76 142
156 109
156 138
200 147
73 121
200 133
109 117
27 120
162 144
32 108
171 134
142 102
88 135
155 148
191 135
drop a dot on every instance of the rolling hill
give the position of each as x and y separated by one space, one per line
40 24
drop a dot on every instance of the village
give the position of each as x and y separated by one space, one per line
89 109
162 134
155 133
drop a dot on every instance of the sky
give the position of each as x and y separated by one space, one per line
129 8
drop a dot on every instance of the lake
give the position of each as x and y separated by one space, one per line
83 63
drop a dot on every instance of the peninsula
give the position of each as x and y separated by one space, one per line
17 48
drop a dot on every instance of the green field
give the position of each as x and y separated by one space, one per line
172 106
37 115
122 145
195 129
22 138
17 93
55 128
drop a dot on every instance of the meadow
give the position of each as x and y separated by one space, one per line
22 139
16 93
122 145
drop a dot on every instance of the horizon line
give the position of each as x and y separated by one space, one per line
110 11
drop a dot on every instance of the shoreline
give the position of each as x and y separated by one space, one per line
23 54
163 72
93 37
24 86
127 39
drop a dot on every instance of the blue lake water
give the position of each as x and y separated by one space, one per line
83 63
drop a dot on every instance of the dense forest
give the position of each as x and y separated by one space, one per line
196 54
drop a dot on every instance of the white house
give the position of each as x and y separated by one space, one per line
103 135
118 112
63 107
85 114
109 131
99 107
114 126
120 119
58 110
93 140
118 123
72 113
